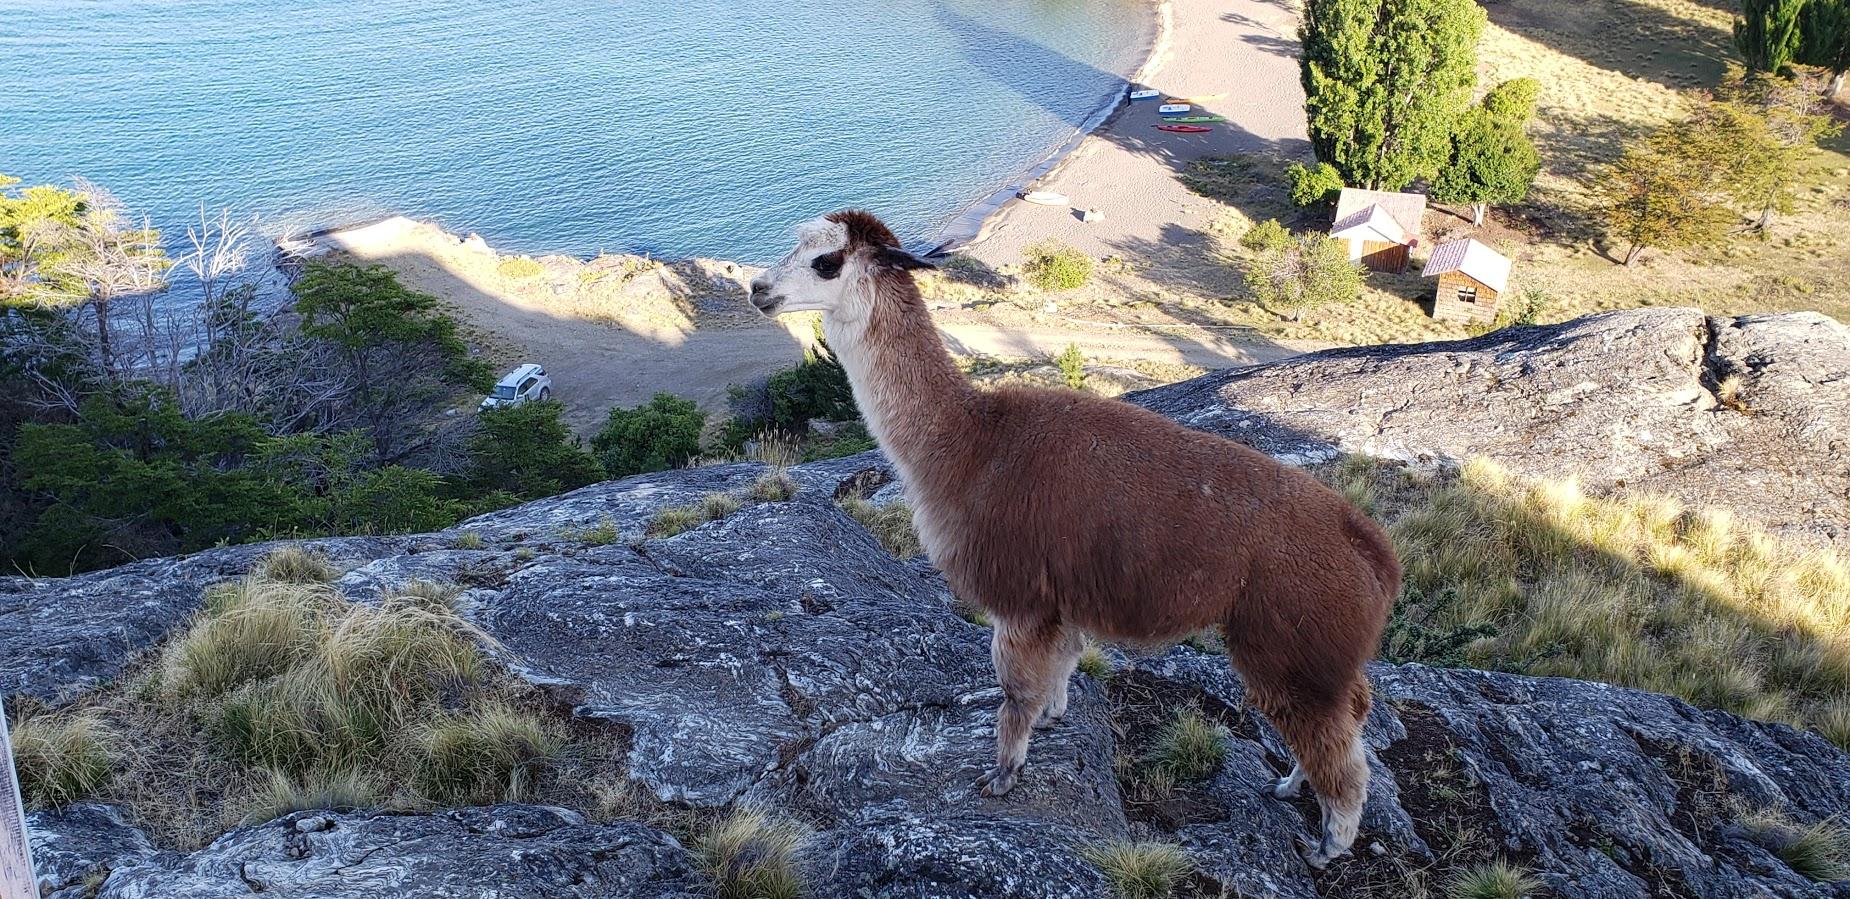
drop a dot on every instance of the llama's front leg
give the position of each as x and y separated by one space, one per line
1026 660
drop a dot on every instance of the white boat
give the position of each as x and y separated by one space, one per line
1145 95
1173 108
1046 198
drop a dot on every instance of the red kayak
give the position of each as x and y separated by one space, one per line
1183 129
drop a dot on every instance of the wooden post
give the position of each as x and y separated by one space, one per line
17 881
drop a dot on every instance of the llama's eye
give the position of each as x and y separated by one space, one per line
828 265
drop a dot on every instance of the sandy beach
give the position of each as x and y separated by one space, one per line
1241 57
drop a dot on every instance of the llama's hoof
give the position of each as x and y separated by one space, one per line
1287 788
998 782
1319 855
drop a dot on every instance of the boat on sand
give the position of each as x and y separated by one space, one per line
1184 129
1045 198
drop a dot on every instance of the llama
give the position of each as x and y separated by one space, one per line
1061 514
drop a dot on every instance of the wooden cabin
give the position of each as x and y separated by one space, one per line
1471 277
1382 227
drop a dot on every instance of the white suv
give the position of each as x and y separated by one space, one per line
522 385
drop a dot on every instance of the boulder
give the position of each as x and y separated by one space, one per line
1749 413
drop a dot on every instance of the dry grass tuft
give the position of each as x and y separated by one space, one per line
295 565
1629 589
489 753
679 519
1094 663
1496 880
750 856
62 758
1819 851
890 524
342 789
1146 870
774 486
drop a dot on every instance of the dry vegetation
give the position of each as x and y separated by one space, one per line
750 855
1141 870
1540 578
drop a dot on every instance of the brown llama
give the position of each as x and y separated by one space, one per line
1062 513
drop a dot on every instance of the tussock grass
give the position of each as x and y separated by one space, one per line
774 486
1094 663
1191 747
604 533
890 524
342 789
62 758
1629 589
1495 880
295 565
749 855
489 753
469 540
1819 851
281 696
1143 870
680 519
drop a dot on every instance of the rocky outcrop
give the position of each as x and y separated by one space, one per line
780 658
1749 413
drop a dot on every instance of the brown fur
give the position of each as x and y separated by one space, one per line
1060 512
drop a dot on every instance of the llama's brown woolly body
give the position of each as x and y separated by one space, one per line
1060 512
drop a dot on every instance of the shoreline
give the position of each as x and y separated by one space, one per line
968 227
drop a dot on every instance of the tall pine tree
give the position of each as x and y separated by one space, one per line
1767 33
1384 81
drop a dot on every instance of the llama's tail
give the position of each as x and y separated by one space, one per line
1373 545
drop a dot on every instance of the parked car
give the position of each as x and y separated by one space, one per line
524 384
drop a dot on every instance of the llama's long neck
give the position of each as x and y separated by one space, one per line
916 402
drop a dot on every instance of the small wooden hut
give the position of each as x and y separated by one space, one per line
1471 277
1381 226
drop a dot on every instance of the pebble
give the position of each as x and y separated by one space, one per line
313 824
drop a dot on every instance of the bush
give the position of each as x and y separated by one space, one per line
1191 747
657 436
62 758
852 438
1141 870
519 268
1267 236
1073 367
1313 184
1055 266
818 388
750 856
1311 271
528 451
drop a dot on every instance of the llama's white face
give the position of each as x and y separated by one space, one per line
814 277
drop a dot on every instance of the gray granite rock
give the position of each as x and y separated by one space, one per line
476 853
74 848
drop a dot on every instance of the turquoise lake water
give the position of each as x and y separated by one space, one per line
680 128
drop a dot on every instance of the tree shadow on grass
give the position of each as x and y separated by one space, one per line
1637 38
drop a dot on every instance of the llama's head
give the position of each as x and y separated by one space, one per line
833 266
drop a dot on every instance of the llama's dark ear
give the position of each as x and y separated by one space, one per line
894 257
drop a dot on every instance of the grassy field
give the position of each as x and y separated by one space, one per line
1609 69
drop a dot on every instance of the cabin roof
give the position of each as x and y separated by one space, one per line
1406 209
1372 223
1477 261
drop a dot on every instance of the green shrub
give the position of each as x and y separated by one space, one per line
750 856
1267 236
1311 271
489 754
850 439
1496 880
657 436
1144 870
529 452
1313 184
1055 266
1191 747
1073 367
62 758
818 388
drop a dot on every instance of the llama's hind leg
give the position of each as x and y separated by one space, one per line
1326 740
1027 660
1288 786
1071 643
